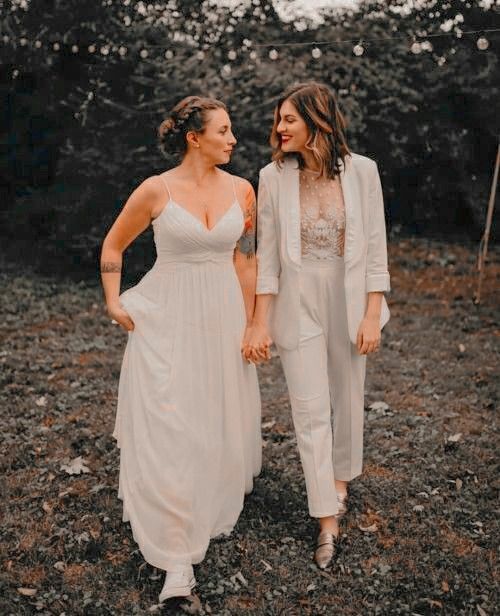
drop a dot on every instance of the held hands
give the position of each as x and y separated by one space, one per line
118 314
368 339
256 343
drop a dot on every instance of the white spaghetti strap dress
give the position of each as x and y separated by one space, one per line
188 412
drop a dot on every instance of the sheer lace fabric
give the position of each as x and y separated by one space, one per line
322 217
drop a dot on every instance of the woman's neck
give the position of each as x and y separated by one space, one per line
310 163
196 169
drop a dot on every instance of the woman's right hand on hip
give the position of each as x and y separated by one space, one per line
120 316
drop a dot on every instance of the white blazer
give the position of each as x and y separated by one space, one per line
279 246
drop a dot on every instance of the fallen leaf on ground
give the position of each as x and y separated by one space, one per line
240 577
379 406
27 592
75 467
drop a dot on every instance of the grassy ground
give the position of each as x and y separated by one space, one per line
421 536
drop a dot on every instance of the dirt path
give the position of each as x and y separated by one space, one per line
421 537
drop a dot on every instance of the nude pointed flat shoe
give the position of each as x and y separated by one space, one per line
326 548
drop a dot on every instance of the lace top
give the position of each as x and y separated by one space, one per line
322 217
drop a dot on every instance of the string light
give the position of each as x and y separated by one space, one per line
416 48
482 43
358 50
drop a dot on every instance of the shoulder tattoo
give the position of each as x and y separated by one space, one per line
246 243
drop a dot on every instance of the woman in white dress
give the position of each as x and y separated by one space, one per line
188 413
322 274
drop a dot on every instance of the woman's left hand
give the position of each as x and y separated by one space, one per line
368 339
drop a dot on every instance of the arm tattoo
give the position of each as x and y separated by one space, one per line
246 243
109 266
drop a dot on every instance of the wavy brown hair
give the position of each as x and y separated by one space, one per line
318 107
189 114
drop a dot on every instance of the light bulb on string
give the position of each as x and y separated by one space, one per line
38 44
316 53
74 48
23 42
482 43
143 53
105 50
416 48
6 38
169 54
200 54
273 54
122 51
231 54
225 70
358 50
91 48
253 55
56 47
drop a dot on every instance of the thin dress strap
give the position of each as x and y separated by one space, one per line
162 177
234 189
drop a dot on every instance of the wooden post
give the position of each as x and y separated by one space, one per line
483 246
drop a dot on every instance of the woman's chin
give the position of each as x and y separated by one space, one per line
287 147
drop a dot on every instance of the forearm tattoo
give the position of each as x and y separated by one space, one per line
246 243
109 266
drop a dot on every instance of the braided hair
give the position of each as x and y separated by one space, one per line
189 114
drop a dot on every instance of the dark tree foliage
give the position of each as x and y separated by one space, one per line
80 107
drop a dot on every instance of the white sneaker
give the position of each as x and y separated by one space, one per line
179 582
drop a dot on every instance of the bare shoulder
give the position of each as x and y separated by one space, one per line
146 198
244 190
151 187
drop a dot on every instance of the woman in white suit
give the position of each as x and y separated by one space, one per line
322 273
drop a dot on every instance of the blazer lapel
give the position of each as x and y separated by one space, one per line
353 245
290 210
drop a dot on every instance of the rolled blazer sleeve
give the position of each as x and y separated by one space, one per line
268 261
377 274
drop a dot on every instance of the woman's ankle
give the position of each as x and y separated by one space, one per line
329 524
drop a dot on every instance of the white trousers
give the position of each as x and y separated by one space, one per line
325 376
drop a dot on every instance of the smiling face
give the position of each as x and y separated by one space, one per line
216 141
292 129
